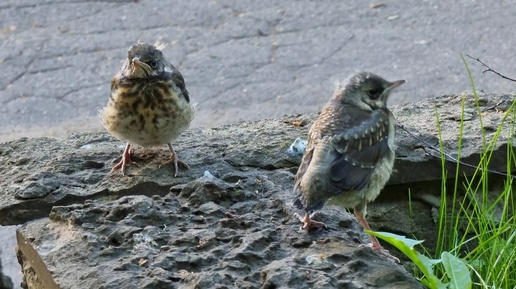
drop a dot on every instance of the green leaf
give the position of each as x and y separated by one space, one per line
457 271
424 263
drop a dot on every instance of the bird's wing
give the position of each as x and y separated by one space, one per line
358 150
303 167
305 162
178 79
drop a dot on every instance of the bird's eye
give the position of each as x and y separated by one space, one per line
374 92
153 64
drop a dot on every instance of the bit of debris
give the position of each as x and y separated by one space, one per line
376 5
298 147
142 262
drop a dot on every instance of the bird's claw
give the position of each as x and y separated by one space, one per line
126 159
308 223
379 249
123 164
177 163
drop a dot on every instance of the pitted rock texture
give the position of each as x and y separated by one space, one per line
43 172
212 234
228 220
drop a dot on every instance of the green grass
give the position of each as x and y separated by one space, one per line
476 244
486 239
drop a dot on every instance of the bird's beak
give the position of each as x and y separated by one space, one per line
139 68
392 85
395 84
137 62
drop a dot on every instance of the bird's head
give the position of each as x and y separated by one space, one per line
366 90
144 60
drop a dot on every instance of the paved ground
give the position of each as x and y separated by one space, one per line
242 59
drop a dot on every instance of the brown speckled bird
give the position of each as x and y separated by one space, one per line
149 104
350 151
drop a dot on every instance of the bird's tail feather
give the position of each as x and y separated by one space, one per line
298 203
303 204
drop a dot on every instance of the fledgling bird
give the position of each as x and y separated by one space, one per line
350 151
149 104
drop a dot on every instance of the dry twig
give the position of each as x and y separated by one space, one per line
489 69
446 156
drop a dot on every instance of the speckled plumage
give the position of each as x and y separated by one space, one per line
350 151
149 104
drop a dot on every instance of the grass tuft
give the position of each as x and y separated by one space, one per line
476 244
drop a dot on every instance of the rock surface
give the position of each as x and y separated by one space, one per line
231 227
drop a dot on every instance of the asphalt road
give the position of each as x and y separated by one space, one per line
242 59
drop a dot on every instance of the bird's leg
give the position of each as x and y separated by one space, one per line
375 245
308 222
126 158
174 159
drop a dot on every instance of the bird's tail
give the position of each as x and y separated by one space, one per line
298 203
301 202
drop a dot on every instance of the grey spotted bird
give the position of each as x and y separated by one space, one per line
350 151
149 104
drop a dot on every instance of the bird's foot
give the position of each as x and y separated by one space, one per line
375 245
177 162
307 221
126 159
382 251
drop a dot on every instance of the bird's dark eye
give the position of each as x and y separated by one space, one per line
374 92
153 63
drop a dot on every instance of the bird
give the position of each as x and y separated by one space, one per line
350 152
149 104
